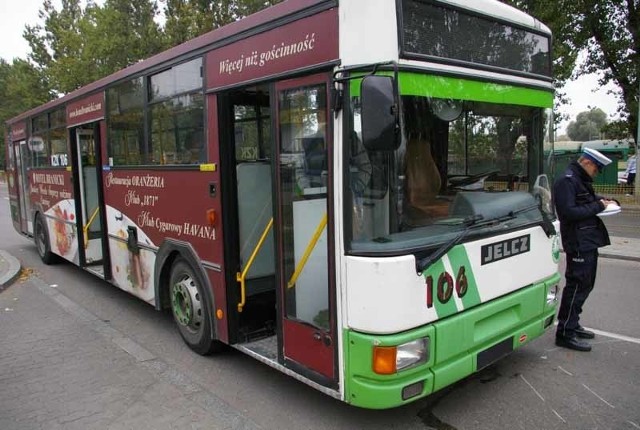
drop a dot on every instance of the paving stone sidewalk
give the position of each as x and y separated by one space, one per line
62 368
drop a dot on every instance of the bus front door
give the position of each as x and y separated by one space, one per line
86 162
303 231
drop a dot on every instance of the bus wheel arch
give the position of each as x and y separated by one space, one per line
182 286
41 239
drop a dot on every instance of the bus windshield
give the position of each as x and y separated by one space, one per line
468 152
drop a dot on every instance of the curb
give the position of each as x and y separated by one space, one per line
618 256
12 272
614 256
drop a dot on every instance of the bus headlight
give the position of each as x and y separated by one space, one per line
388 360
412 353
552 294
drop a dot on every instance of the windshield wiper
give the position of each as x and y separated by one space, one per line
547 224
471 223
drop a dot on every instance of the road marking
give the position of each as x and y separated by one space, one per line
634 424
531 386
542 398
565 371
558 415
595 394
616 336
613 335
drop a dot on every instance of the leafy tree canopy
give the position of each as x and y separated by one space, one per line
618 129
587 125
22 87
186 19
75 46
608 31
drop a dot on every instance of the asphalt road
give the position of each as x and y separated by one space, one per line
625 224
538 387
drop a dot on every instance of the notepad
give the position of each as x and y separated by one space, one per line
611 209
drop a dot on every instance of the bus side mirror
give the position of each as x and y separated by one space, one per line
379 114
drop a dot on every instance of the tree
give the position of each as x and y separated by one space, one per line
124 33
22 87
618 129
56 45
75 46
608 31
186 19
587 125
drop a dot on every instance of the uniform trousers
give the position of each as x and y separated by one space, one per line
580 277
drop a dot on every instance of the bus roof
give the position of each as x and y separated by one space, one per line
567 145
608 145
499 10
220 36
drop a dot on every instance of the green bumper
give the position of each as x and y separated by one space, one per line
459 346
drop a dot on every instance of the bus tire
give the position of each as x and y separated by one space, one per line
41 239
190 310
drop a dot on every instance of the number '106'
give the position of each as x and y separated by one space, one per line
445 286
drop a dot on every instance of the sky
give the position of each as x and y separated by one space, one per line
15 14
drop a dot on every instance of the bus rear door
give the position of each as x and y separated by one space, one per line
21 154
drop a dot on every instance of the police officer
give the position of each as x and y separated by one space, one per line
582 232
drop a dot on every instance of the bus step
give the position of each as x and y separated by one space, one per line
248 334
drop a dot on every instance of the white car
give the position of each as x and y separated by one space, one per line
622 177
542 193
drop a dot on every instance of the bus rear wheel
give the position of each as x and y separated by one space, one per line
41 238
190 310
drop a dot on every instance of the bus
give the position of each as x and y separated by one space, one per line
352 192
616 149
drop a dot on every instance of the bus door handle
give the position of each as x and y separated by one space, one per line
321 337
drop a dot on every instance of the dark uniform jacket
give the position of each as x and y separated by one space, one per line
577 207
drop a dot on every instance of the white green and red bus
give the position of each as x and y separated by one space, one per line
352 192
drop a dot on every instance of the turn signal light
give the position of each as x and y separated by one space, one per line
211 216
384 360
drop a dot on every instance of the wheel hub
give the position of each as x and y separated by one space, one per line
186 304
40 242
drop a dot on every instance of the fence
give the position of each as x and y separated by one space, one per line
620 192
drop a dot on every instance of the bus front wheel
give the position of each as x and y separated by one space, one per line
41 238
190 310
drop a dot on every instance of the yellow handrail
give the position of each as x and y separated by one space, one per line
85 229
307 252
240 277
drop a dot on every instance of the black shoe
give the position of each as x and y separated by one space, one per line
572 343
583 333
